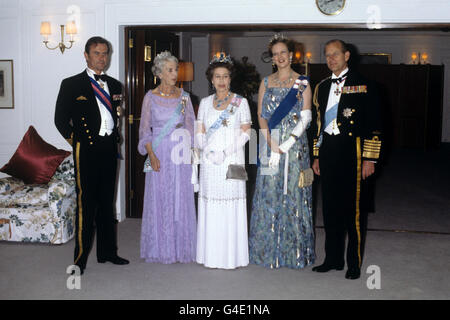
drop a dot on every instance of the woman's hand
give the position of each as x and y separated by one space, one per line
154 162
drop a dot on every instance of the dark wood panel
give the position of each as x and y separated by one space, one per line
411 101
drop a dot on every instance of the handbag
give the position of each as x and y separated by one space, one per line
236 172
147 165
306 178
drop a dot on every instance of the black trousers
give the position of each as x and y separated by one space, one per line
95 174
340 170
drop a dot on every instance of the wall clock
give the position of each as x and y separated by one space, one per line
330 7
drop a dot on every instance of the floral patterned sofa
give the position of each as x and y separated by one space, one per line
39 212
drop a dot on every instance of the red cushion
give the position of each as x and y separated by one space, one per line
35 161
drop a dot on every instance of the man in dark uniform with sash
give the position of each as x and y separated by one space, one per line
346 148
86 115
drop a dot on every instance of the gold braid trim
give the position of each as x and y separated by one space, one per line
371 148
316 103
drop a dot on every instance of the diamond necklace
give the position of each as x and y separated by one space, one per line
283 83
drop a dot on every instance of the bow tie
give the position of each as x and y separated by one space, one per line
340 79
100 76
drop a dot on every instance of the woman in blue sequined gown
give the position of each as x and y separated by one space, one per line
281 226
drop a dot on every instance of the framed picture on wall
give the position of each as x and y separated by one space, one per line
6 84
375 58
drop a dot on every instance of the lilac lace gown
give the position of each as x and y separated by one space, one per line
168 233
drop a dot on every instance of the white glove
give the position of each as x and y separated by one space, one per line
195 156
200 140
216 157
194 177
305 119
239 143
286 145
274 160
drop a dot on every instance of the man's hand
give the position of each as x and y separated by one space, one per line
368 168
315 167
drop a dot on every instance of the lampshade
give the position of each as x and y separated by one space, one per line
46 28
185 71
308 55
71 27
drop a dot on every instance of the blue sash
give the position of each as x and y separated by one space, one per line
102 95
285 106
235 102
330 115
166 129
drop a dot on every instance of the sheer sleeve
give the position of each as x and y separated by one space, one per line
145 126
190 118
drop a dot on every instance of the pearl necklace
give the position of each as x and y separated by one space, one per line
219 102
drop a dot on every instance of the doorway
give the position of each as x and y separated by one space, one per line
143 44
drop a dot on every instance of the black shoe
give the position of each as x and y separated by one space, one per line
114 260
327 267
353 273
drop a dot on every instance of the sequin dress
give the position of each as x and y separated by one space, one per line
222 235
281 225
168 232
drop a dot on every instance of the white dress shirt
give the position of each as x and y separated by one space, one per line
107 122
334 98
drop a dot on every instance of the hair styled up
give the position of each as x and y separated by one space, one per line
96 41
160 60
280 38
214 65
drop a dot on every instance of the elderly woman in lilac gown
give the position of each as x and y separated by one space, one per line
166 132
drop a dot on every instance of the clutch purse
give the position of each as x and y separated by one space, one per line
236 172
306 178
147 165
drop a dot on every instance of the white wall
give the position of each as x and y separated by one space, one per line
38 71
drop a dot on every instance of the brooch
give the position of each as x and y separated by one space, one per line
301 86
347 112
183 104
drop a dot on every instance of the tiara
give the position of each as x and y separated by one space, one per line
221 57
278 37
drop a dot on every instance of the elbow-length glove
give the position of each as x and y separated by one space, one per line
217 157
305 119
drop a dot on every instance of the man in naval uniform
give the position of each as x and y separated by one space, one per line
346 148
86 115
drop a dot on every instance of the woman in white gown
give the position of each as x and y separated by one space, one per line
223 128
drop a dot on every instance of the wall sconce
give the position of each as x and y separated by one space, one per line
308 57
297 57
419 58
185 72
71 29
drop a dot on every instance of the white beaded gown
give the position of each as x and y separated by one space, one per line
222 240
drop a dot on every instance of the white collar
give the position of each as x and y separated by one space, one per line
91 72
333 76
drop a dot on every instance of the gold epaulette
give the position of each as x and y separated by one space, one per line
371 148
